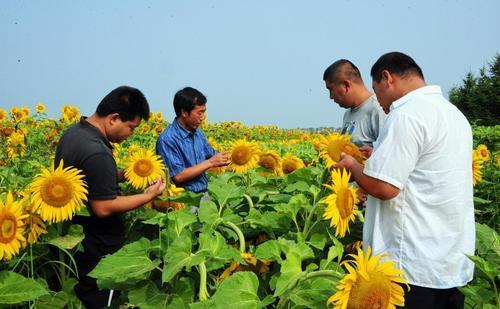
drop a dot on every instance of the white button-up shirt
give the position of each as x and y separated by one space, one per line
425 150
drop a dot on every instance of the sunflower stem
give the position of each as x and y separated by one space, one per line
249 200
32 269
203 293
239 233
307 224
61 256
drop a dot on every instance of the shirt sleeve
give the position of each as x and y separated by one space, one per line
396 150
171 156
101 176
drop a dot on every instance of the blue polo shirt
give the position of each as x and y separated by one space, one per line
180 149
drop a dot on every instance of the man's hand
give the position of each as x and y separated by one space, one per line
346 161
219 159
156 188
366 150
361 195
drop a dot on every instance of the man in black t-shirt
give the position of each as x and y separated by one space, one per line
86 145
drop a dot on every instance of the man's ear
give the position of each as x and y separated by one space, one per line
347 85
112 118
387 77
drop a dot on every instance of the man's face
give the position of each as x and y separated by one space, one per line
337 93
382 91
193 119
119 130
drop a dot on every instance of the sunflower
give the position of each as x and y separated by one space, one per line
342 203
34 224
270 160
477 166
317 141
370 283
243 156
334 144
40 108
483 150
57 194
11 227
291 163
213 143
70 113
15 144
158 116
252 264
144 129
160 205
143 167
3 114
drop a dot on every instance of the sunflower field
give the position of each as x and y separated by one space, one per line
280 229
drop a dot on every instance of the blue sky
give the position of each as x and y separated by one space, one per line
259 62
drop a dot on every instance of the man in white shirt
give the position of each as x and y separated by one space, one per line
419 177
363 117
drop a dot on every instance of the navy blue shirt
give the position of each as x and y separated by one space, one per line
180 149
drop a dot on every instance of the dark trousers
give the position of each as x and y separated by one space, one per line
427 298
86 289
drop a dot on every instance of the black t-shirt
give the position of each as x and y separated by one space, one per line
84 147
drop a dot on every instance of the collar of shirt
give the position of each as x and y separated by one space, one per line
432 89
184 133
84 123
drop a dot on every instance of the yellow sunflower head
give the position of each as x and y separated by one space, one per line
342 203
11 227
33 222
334 144
477 167
212 142
144 128
291 163
370 283
270 160
483 151
159 116
244 155
163 206
57 194
40 108
70 113
3 114
19 114
142 168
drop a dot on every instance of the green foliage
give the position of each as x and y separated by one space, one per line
479 97
16 289
483 290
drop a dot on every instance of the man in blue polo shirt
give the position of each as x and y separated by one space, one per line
183 146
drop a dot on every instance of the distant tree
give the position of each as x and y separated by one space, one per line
479 97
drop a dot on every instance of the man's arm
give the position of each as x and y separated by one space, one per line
373 186
104 208
219 159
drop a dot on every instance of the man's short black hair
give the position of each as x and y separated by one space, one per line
186 99
341 69
396 63
127 101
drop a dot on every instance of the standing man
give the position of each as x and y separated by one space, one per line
363 117
420 176
183 146
86 145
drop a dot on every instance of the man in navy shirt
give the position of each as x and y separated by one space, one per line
183 146
86 145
